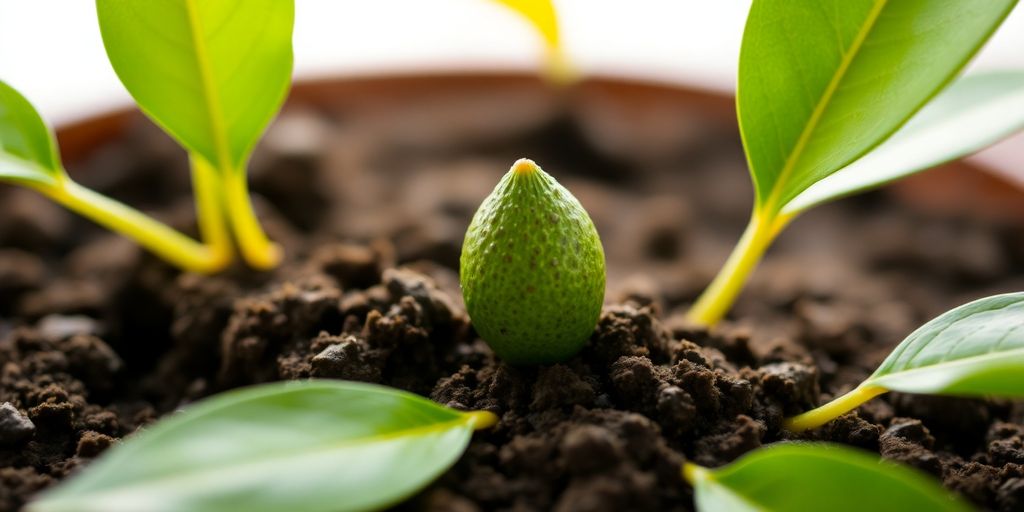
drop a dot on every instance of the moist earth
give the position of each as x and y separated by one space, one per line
98 338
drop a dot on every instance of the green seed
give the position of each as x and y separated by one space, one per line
532 269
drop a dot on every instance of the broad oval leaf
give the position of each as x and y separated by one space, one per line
304 446
788 476
821 83
28 153
212 73
972 113
975 349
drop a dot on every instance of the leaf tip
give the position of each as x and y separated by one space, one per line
693 473
481 419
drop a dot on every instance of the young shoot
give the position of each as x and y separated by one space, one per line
330 446
212 75
29 157
813 110
974 350
213 81
812 476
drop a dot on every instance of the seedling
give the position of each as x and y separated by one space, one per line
532 269
974 350
812 109
329 446
815 476
212 75
29 157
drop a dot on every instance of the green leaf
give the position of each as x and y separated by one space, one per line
975 349
212 73
28 153
821 83
815 477
974 112
302 446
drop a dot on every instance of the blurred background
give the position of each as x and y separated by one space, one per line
51 49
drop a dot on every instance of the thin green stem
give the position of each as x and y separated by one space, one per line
719 297
159 238
256 248
209 199
834 409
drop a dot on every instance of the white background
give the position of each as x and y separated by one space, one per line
51 49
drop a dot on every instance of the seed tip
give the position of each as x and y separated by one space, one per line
524 167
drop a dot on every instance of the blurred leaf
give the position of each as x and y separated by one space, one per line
28 153
821 83
309 446
785 477
974 112
541 14
212 73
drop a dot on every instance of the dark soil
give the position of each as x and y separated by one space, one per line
98 338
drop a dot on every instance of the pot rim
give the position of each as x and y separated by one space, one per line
990 193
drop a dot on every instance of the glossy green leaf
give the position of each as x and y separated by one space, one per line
974 112
975 349
28 153
787 477
821 83
212 73
298 446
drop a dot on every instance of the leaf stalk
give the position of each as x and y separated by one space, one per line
259 252
210 214
721 294
834 409
156 236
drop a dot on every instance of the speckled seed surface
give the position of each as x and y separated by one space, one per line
532 269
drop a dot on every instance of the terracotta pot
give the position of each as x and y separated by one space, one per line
958 187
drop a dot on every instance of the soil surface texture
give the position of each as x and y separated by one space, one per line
98 338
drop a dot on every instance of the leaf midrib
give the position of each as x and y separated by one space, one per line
212 470
210 97
770 204
931 332
967 361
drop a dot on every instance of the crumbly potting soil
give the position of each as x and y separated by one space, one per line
97 338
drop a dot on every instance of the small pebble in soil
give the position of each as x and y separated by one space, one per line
15 428
348 359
